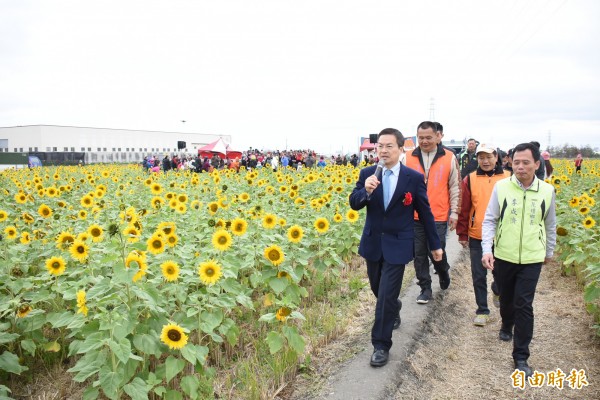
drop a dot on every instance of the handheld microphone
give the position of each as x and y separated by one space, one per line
378 170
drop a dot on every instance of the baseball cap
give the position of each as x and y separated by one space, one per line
486 148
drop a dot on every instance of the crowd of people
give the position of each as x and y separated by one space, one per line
251 159
498 202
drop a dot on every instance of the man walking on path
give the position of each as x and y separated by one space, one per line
439 168
387 240
467 159
520 222
476 192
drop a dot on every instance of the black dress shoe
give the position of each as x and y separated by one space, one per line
398 320
379 358
444 279
521 365
505 336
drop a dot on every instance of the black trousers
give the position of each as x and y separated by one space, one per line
479 275
386 281
517 283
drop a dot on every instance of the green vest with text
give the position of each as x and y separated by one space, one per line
520 231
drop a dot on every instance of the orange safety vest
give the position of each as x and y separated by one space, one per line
437 181
481 187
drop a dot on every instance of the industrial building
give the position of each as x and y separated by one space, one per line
65 144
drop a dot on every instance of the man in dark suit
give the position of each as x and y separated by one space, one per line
391 194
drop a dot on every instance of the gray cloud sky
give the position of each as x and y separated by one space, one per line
316 74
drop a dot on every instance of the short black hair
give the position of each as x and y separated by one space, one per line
439 127
395 132
536 144
535 151
472 140
428 125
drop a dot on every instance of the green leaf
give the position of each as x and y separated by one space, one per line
59 320
190 385
189 353
173 367
92 342
10 362
160 390
8 337
275 342
591 293
295 340
88 365
109 382
29 346
210 320
137 389
270 317
278 284
91 393
147 344
173 395
122 349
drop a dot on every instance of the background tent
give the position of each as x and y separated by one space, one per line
217 147
367 145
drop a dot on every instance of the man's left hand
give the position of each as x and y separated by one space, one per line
547 260
452 223
437 254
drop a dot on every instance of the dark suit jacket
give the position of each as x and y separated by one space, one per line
390 233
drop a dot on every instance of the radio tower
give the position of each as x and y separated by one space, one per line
549 140
431 109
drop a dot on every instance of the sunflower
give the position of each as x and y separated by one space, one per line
157 202
10 232
51 191
295 233
3 215
213 207
21 198
87 201
321 225
167 227
561 231
584 210
589 223
239 226
574 202
23 310
283 274
244 197
28 218
172 239
269 221
352 216
283 313
25 238
210 272
156 188
221 240
96 232
135 258
173 336
300 202
181 208
81 303
142 267
132 234
196 204
274 254
170 270
337 217
56 265
64 240
82 214
182 198
155 244
79 250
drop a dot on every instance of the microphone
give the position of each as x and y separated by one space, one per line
378 170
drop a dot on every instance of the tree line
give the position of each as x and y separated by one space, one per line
571 151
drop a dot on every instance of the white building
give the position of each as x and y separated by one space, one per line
102 144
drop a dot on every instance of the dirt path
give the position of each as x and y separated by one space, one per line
456 360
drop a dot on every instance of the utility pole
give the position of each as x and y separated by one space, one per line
432 109
549 140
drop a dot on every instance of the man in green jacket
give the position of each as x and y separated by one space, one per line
520 223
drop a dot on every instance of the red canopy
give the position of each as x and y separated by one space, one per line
219 148
367 145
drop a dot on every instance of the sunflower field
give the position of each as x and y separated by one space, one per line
578 236
141 284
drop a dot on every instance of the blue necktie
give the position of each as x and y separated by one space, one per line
387 193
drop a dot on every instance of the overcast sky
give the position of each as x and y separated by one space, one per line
306 74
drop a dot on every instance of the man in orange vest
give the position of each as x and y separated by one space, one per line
476 192
439 167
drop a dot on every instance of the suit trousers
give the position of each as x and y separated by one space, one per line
386 281
422 252
517 283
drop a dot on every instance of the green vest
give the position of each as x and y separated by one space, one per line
520 232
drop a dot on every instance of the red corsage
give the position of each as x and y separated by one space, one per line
407 199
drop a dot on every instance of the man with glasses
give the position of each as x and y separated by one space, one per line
439 168
392 194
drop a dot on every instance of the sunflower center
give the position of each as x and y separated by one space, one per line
174 335
81 249
209 272
295 234
95 232
222 240
321 225
238 227
157 244
56 265
170 270
274 255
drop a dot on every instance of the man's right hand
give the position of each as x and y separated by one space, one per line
488 261
371 184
